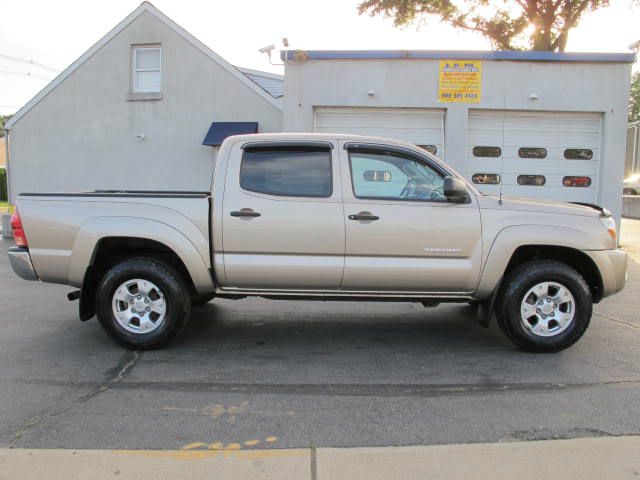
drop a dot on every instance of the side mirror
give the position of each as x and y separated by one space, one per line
455 190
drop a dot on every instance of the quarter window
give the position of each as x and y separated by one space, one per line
147 69
578 154
490 152
386 175
532 180
486 178
294 171
532 152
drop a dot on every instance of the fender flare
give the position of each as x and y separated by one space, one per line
511 238
98 228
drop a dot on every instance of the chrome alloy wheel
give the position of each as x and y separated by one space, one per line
547 309
139 306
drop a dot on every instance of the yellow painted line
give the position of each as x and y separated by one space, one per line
251 443
194 445
271 439
216 446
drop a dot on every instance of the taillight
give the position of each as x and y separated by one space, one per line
18 232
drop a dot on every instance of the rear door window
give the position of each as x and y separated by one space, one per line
290 171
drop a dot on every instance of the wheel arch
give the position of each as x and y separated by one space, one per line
576 259
563 244
102 242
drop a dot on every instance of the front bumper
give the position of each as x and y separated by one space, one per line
21 263
612 265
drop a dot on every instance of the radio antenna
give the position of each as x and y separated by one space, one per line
504 110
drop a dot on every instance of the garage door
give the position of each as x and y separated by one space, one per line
554 155
418 126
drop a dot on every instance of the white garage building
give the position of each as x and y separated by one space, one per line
532 124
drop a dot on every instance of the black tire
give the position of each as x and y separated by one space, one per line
172 286
519 282
629 191
200 300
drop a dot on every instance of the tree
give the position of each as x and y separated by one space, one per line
3 120
634 98
508 24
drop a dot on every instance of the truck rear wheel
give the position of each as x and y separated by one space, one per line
143 303
546 306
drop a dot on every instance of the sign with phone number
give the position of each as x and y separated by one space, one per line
460 81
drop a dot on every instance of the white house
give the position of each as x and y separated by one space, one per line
133 111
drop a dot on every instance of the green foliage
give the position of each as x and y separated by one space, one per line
504 22
3 185
634 98
3 120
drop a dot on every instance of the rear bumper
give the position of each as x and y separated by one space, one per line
612 265
21 263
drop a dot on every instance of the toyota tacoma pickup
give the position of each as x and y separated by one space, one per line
322 217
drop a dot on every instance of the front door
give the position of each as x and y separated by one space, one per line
283 226
402 233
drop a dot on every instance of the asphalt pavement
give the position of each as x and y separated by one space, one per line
257 374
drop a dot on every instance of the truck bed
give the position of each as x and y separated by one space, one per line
64 229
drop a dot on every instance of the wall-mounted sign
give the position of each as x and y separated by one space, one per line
460 81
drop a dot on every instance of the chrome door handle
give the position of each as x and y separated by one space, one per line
245 212
364 216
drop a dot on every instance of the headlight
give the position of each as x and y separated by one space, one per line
610 224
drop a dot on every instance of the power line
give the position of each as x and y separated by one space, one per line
27 74
28 62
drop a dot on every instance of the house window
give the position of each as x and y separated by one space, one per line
576 182
578 154
532 180
485 151
486 178
147 72
532 152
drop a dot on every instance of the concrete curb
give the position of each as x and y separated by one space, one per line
587 458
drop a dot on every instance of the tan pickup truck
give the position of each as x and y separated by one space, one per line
318 217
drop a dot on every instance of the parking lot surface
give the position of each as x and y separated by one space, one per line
264 374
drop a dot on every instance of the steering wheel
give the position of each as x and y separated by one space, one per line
438 193
407 188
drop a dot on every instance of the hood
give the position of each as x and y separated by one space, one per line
533 205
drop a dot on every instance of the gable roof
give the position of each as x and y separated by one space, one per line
144 7
271 82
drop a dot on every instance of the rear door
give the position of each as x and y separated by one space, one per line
283 225
402 233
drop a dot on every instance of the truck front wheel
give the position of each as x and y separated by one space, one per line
143 303
546 306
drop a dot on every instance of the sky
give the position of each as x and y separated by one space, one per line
52 34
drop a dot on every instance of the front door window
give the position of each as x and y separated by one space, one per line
381 175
